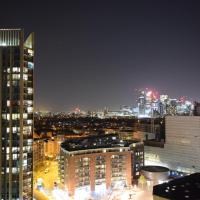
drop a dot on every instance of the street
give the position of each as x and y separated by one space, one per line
48 174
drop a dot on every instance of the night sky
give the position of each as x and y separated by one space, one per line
95 53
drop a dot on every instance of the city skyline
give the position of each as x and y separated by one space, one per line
99 52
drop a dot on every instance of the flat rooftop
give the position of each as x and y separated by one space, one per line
153 168
96 142
187 187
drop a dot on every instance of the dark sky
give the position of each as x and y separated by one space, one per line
95 53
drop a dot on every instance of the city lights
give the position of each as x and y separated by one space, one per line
101 101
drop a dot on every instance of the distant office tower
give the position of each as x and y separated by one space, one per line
16 114
141 103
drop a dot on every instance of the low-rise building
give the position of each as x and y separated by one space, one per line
52 147
38 153
99 162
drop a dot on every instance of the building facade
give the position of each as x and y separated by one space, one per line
52 147
16 114
93 166
38 153
182 145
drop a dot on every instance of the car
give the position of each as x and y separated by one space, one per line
55 184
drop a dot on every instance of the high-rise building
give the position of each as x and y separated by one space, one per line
141 103
16 114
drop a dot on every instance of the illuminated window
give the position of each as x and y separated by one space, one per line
25 70
30 109
25 77
15 116
30 52
16 69
16 76
28 102
30 90
4 116
15 156
29 121
15 149
8 103
27 128
30 65
24 162
30 141
14 129
14 170
25 115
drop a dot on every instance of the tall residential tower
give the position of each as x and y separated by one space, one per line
16 114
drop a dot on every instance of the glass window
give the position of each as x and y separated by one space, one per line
30 65
25 70
25 115
30 109
25 77
8 103
16 69
29 121
16 76
30 90
15 116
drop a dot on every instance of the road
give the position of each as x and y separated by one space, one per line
48 180
39 195
50 177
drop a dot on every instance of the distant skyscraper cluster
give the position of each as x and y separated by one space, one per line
150 104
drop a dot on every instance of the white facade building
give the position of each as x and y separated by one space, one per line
181 151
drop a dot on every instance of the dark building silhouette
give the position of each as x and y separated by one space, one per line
196 109
16 114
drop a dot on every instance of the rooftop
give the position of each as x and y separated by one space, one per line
153 168
95 142
187 187
10 29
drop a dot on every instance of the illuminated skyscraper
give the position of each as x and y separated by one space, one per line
16 114
142 103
